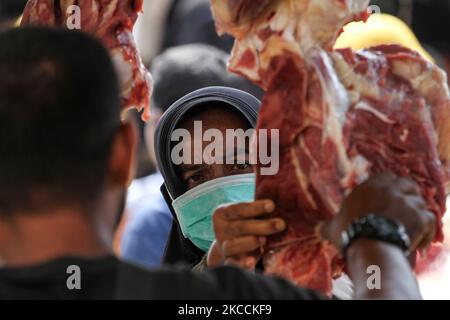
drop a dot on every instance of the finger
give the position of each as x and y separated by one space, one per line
324 230
430 227
256 227
327 230
242 245
248 263
406 209
390 180
425 243
382 180
240 211
416 202
419 242
424 238
386 177
407 186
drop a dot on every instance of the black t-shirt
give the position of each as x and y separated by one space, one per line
109 278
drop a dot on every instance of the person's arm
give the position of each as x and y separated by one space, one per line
399 200
397 281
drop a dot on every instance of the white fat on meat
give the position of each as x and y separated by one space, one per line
360 84
124 71
431 83
301 178
334 118
362 105
303 24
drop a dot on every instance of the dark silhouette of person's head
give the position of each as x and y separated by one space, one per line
191 21
184 69
59 110
66 157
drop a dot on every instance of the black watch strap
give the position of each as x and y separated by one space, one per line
376 227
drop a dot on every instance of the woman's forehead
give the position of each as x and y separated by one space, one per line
214 116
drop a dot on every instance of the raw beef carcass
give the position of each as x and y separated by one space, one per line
112 22
343 116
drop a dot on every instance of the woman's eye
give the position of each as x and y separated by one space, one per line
195 178
241 166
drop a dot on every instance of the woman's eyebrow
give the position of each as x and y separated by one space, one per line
191 167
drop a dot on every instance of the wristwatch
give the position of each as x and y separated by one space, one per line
379 228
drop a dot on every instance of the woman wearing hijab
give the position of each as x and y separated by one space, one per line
196 186
194 189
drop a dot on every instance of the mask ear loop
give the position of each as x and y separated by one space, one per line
168 198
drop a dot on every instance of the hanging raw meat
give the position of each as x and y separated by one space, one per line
343 116
112 22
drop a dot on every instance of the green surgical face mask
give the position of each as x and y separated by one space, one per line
194 209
